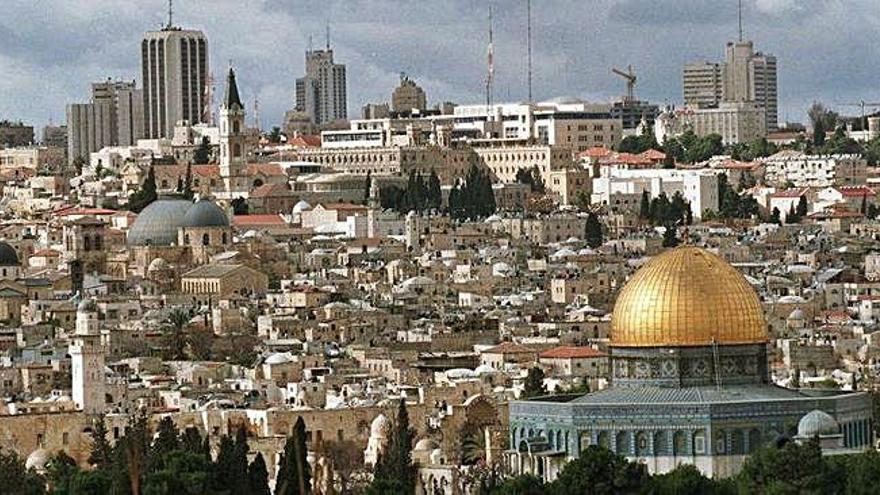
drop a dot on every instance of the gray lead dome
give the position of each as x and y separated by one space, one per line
158 223
205 213
8 257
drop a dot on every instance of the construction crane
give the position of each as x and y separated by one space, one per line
630 77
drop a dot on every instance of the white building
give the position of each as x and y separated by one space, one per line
735 122
805 170
87 360
698 187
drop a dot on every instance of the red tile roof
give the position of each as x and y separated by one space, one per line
84 211
264 169
595 152
572 352
855 191
255 220
794 192
271 191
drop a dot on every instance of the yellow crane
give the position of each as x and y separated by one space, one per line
630 78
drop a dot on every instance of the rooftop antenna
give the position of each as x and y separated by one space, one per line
491 65
310 43
740 11
328 36
529 44
170 13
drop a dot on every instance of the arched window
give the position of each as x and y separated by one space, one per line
622 443
679 444
661 445
642 444
87 243
236 150
236 127
206 239
223 238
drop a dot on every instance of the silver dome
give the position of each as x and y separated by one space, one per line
205 213
158 223
819 423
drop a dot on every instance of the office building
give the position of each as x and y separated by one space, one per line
735 122
15 134
175 68
408 96
55 136
321 93
702 84
126 110
744 76
88 129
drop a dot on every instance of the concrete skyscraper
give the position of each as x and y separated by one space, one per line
126 110
321 93
174 64
744 76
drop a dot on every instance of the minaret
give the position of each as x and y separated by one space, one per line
87 360
233 145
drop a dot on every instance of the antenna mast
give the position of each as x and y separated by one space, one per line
740 16
529 45
257 125
491 67
170 13
328 36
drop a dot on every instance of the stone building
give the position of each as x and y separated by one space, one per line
690 381
217 281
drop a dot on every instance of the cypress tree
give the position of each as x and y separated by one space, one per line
435 195
258 476
224 465
802 207
645 206
670 237
394 471
145 195
294 475
593 231
166 441
368 184
101 454
188 183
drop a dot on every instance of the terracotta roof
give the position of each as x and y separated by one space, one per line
653 154
737 165
271 190
248 220
855 191
84 211
305 141
264 169
595 152
570 352
794 192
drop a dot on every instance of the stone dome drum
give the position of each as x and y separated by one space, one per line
205 213
684 297
158 223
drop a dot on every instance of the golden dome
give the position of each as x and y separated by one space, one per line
687 296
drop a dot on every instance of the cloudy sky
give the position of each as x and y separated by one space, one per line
827 49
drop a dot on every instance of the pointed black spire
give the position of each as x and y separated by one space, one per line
231 98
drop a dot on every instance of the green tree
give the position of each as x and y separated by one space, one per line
593 231
525 484
534 384
792 468
239 206
599 471
395 471
61 470
686 479
17 479
802 207
101 453
368 186
166 440
275 136
645 206
861 472
474 197
294 475
435 194
145 195
775 216
670 237
258 476
187 188
184 473
202 154
175 338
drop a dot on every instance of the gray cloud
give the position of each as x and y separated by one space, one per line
53 49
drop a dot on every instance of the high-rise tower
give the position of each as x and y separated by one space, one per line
174 64
321 93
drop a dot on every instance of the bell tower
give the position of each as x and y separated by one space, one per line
233 142
87 360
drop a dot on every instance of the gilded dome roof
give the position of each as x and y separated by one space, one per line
687 296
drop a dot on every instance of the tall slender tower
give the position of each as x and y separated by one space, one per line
233 143
87 360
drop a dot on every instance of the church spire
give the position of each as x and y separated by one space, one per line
231 98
